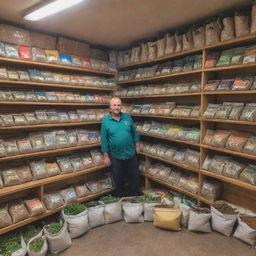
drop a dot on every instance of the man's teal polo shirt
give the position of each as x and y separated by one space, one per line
119 137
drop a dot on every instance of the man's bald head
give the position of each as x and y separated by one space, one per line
115 105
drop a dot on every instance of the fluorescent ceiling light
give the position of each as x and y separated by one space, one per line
51 8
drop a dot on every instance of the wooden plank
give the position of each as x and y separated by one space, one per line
50 212
162 95
170 139
50 103
231 67
183 166
30 126
229 92
234 181
37 183
169 117
53 85
229 121
47 152
53 66
162 77
223 150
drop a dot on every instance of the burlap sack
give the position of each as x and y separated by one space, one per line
245 233
253 18
144 52
112 55
187 41
242 25
160 47
212 32
152 50
228 31
199 222
179 41
59 241
199 37
77 224
170 44
223 223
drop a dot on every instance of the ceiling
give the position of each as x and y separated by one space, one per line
117 23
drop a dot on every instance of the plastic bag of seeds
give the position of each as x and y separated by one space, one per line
237 141
38 169
224 218
53 200
246 229
211 111
152 50
24 145
170 44
18 211
160 43
242 22
211 190
253 18
11 51
58 237
97 157
198 33
192 158
250 146
237 56
242 82
233 169
61 139
225 85
7 120
208 138
71 137
228 31
11 147
38 54
249 55
179 41
82 190
19 119
68 195
192 184
2 149
199 220
50 141
86 159
64 164
237 108
249 174
223 111
249 112
211 59
218 163
220 138
52 169
34 206
10 177
24 173
37 141
174 177
76 162
207 162
5 217
212 32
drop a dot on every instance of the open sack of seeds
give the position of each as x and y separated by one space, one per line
57 236
132 210
95 214
76 216
246 229
37 246
199 220
112 208
167 217
149 203
223 217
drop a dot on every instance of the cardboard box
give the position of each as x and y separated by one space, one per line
73 47
43 41
98 54
14 35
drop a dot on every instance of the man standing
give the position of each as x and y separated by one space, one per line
119 144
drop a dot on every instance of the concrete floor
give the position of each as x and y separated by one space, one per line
121 239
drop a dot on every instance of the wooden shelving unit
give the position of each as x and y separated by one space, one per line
40 187
234 190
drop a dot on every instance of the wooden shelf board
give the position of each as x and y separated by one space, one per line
54 66
160 59
234 181
181 190
162 95
223 150
50 103
44 153
229 121
230 67
155 78
36 183
31 83
229 92
50 212
21 127
170 139
172 163
169 117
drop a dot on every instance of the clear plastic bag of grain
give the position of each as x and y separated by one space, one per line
34 206
18 211
53 200
237 141
24 173
65 164
174 177
179 41
52 168
220 138
218 163
170 44
5 217
211 189
10 177
242 22
249 174
223 111
208 138
228 31
69 195
187 40
211 111
76 162
38 169
212 32
82 190
192 158
50 141
207 162
24 145
198 33
237 108
192 184
233 168
250 146
249 113
37 141
11 147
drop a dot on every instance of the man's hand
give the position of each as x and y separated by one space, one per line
138 148
106 159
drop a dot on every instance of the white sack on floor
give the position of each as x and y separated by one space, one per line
113 212
132 212
199 222
96 216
